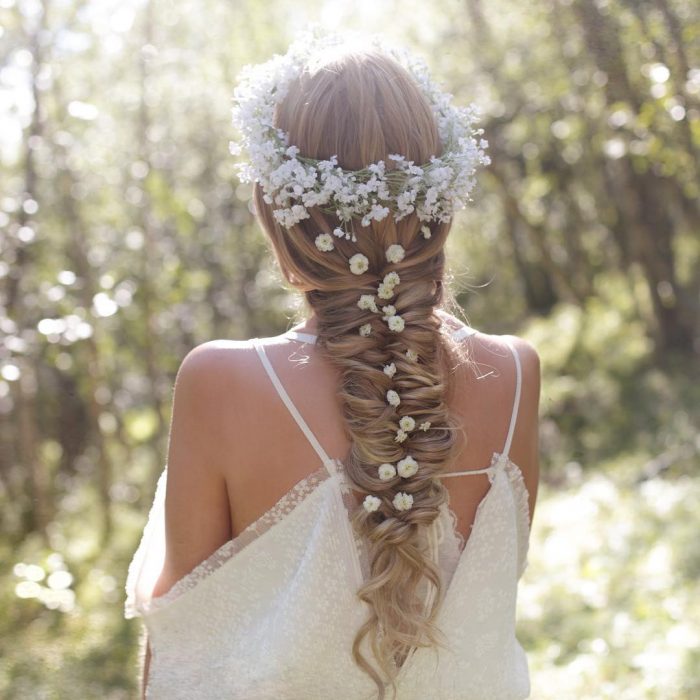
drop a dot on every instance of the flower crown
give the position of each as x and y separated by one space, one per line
293 184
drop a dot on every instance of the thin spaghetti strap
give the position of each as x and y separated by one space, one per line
468 472
516 402
328 463
463 332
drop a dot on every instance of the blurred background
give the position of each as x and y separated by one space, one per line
126 240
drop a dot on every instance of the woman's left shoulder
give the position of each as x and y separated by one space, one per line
528 356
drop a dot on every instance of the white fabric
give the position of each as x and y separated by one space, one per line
272 613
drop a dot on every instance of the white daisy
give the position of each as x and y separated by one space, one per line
407 423
365 329
393 399
407 467
395 253
390 370
367 303
391 279
412 355
385 291
426 232
386 472
359 264
324 242
401 436
425 426
396 323
403 501
371 503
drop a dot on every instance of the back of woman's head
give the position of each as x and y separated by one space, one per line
363 106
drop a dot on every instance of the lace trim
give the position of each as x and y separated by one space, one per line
283 507
361 549
131 608
522 502
496 461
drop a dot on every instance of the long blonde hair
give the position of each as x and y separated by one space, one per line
362 105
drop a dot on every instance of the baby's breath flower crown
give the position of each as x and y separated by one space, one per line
295 183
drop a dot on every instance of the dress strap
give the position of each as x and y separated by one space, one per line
327 461
516 401
486 470
463 332
304 337
511 428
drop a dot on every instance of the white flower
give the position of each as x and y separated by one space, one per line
395 253
385 291
391 279
367 303
365 329
387 472
371 503
396 323
412 355
339 233
388 310
393 398
324 242
401 435
403 501
426 232
390 370
377 213
407 467
359 264
425 426
407 423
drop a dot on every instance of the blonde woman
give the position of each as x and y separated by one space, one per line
346 507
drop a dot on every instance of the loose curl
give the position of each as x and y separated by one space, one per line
361 105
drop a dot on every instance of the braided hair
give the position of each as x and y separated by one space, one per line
362 105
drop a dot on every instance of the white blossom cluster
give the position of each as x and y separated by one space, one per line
293 183
403 501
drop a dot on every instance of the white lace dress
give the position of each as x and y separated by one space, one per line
272 613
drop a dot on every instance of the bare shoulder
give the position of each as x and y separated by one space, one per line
210 371
493 360
207 362
526 351
207 409
209 400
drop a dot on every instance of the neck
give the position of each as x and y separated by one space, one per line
308 325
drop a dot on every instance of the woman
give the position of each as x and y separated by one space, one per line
307 541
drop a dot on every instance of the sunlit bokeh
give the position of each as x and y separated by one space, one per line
126 240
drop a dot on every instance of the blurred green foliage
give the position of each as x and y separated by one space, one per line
125 240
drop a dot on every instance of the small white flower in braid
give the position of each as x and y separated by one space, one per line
371 503
324 242
386 472
407 467
393 399
403 501
401 436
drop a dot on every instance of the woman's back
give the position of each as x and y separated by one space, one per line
259 470
290 532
